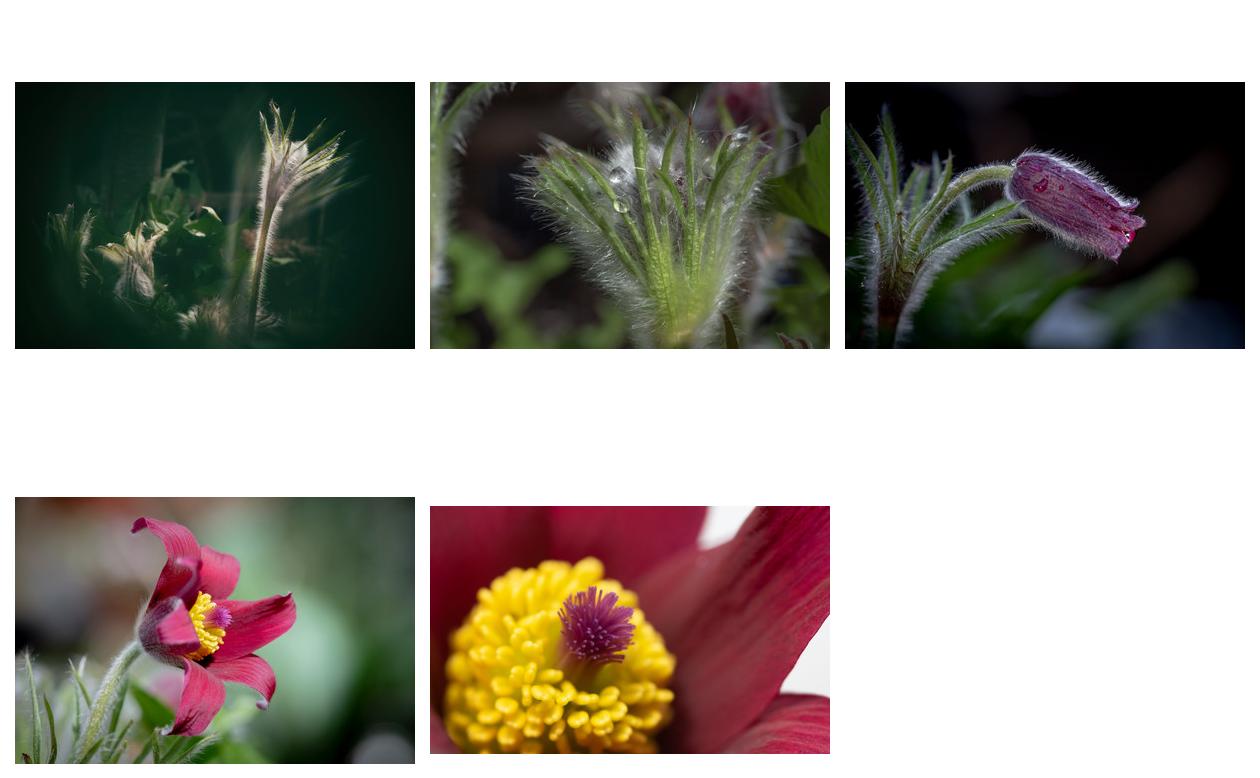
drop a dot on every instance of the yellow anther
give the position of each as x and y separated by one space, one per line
211 638
489 716
509 689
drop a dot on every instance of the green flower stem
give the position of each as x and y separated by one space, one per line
255 281
112 685
964 183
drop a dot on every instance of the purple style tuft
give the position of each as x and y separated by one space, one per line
596 630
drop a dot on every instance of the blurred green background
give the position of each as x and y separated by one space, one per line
345 672
342 272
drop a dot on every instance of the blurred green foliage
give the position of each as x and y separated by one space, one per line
483 280
805 190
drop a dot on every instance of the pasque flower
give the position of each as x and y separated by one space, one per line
191 624
1074 204
608 629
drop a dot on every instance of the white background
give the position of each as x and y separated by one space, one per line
1044 564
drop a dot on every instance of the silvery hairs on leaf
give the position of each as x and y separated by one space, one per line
134 259
658 220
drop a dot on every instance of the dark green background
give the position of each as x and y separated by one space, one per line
70 136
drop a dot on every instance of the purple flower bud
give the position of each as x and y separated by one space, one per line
1074 204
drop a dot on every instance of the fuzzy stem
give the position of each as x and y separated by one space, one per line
260 259
112 685
964 183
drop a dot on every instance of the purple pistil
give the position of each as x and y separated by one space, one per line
595 629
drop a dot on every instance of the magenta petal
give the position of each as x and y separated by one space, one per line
167 633
629 541
200 700
182 553
219 573
439 741
251 670
737 617
792 724
255 624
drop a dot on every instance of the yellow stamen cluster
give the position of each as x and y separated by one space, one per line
506 693
211 637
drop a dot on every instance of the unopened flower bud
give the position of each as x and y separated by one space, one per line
1074 204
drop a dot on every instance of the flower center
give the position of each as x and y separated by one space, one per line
559 659
211 622
596 631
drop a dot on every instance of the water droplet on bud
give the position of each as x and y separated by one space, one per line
617 176
620 206
738 138
1041 185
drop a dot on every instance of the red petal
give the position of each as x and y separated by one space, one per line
439 741
255 624
792 724
251 670
219 573
629 541
469 548
182 554
737 617
200 700
167 633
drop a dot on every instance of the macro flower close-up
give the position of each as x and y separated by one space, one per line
612 630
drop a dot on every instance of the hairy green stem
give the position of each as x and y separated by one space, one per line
112 685
964 183
260 259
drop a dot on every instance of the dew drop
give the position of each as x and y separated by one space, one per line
738 138
620 206
1041 185
617 176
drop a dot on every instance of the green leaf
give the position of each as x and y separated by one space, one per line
37 727
993 217
805 191
52 732
728 331
148 746
91 752
117 745
153 712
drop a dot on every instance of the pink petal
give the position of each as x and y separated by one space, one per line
439 741
255 624
219 573
629 541
469 548
167 633
792 724
182 554
200 700
251 670
737 617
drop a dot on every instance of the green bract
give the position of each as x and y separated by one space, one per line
659 220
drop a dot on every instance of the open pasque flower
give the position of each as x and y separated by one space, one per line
539 643
191 624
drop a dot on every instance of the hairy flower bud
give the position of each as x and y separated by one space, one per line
1074 204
